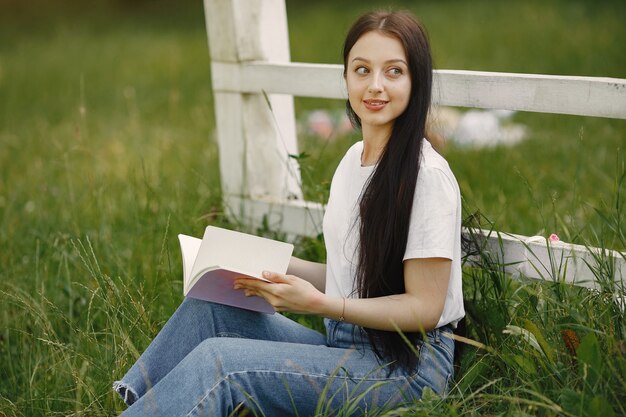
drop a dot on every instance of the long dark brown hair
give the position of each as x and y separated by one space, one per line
386 203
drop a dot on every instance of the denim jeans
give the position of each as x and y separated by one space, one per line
215 360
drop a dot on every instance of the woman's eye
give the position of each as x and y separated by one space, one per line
395 72
361 70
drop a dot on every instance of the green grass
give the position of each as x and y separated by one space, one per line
107 151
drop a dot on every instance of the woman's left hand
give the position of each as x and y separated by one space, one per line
284 292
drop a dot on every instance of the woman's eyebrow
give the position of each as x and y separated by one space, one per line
389 61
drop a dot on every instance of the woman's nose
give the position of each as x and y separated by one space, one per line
375 85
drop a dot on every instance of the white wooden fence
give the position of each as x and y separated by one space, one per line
254 82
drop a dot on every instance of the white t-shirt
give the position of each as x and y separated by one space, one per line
435 226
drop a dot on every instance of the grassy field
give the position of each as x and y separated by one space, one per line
107 152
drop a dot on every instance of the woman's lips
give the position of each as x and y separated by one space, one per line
374 104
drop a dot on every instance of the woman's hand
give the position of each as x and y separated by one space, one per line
284 292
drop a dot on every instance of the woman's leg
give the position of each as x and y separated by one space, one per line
192 323
268 378
281 379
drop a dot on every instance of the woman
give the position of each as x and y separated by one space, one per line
390 292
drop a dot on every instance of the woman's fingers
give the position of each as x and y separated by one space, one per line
257 284
250 293
254 287
283 292
275 276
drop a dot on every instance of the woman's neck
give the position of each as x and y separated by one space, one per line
374 142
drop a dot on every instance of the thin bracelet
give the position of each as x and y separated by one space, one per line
343 310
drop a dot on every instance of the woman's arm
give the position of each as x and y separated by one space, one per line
313 272
418 309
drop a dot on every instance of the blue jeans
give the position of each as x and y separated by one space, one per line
214 360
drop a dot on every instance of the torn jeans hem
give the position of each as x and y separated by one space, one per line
129 396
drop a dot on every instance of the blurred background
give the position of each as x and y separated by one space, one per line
107 151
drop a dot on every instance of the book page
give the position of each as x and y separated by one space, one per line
189 246
239 252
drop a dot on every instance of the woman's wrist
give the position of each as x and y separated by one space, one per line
333 308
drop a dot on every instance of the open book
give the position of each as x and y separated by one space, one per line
211 265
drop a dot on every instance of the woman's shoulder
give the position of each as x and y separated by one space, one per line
431 159
352 155
355 150
434 169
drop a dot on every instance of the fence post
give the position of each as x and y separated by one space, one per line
255 132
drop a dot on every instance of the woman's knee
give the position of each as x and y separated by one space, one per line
193 305
206 309
216 355
203 312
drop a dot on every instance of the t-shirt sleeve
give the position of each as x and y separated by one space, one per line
433 218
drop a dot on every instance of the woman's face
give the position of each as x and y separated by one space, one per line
378 80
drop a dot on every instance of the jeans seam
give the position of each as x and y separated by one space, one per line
317 375
446 348
205 396
229 334
438 341
414 374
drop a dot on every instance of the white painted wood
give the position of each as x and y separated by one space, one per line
298 79
261 30
269 120
584 96
295 217
255 132
539 258
220 26
231 143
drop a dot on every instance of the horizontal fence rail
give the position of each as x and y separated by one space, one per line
582 96
540 258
